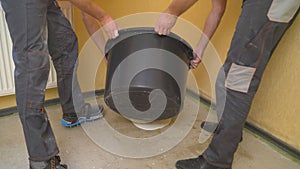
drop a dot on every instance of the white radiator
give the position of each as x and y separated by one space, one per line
7 86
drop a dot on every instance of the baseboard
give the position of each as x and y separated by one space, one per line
273 140
11 110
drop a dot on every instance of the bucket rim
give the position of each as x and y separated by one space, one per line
130 32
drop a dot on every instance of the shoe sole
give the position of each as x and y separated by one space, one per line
81 120
179 167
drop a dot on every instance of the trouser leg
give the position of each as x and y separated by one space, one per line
253 43
63 48
27 25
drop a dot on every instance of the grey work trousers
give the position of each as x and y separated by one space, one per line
253 43
39 28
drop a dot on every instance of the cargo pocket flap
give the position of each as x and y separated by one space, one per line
283 10
239 78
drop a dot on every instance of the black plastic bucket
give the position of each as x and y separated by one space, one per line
142 45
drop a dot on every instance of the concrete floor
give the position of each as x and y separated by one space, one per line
80 152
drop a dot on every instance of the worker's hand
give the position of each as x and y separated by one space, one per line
197 59
165 23
110 27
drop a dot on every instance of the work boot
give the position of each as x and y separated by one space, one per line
53 163
195 163
88 113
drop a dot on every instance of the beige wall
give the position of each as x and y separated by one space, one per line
10 101
276 107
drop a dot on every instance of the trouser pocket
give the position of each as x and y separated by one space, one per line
283 10
239 78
